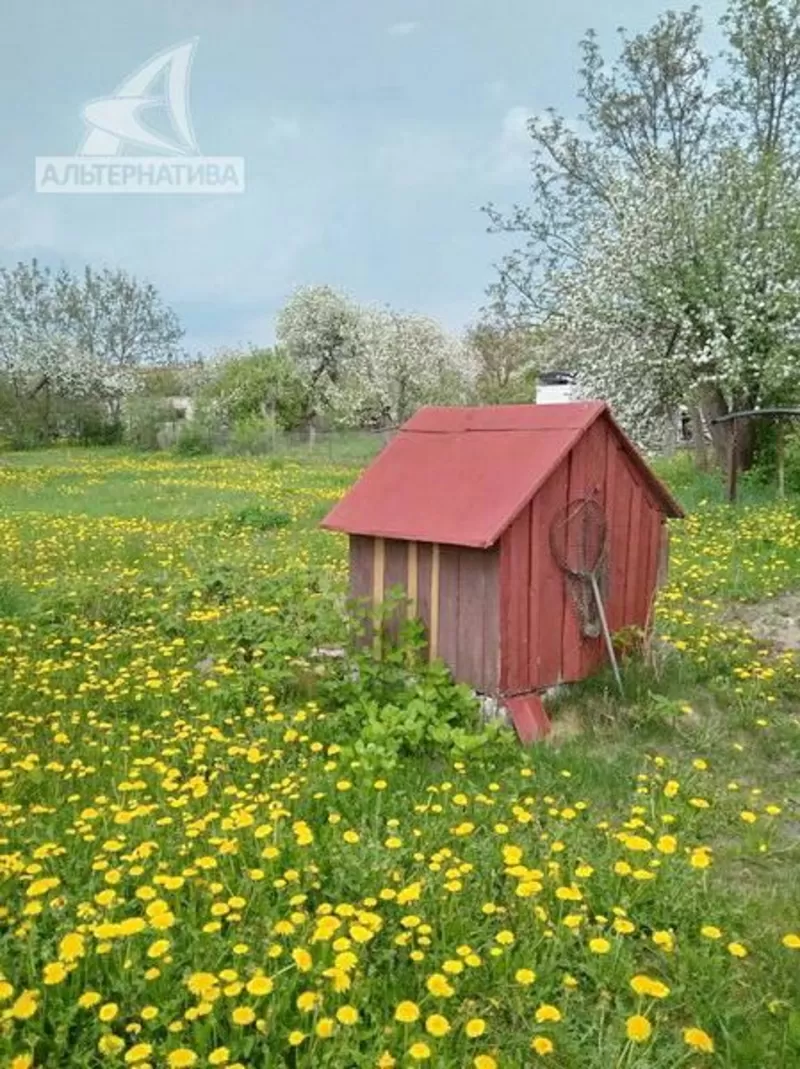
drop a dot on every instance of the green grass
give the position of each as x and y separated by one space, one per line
211 801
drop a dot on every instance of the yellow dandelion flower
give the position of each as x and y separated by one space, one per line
420 1052
638 1028
542 1046
260 985
697 1039
24 1006
140 1052
438 986
547 1012
437 1025
599 946
108 1011
54 973
302 959
181 1058
110 1045
407 1012
645 985
243 1015
347 1015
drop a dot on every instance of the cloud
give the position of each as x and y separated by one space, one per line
402 29
511 152
419 158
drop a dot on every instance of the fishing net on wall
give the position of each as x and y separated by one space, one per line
578 542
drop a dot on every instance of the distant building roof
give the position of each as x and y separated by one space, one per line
556 378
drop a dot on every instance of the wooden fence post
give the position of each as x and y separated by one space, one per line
733 466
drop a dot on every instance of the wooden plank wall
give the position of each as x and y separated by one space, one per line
541 640
466 617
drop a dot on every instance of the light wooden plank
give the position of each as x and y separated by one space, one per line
413 579
433 645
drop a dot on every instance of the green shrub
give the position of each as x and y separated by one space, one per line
396 703
194 439
262 517
146 416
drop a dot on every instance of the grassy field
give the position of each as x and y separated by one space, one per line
218 848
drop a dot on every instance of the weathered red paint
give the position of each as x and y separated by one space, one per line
528 717
485 484
459 476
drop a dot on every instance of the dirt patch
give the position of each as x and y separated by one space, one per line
566 725
775 621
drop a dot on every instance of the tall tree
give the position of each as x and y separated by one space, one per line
317 328
66 338
120 323
655 104
507 358
673 218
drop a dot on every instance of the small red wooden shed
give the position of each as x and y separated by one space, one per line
457 511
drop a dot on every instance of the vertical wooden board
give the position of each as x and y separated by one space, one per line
545 665
650 571
412 568
433 630
424 554
635 552
395 569
663 554
360 567
536 622
361 553
516 600
505 586
641 597
572 639
472 567
491 621
594 446
448 605
618 509
395 575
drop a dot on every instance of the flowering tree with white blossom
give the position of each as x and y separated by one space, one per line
688 290
368 366
660 249
66 340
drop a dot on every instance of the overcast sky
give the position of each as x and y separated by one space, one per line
372 133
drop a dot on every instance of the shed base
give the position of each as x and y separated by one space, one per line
528 716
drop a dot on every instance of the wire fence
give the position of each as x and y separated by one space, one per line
355 447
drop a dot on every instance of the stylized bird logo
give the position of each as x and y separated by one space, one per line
115 121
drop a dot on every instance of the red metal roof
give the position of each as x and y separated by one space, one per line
460 475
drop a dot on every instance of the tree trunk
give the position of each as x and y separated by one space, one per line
699 439
714 405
